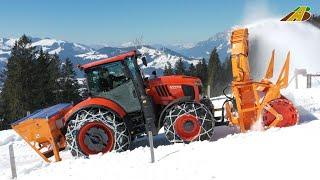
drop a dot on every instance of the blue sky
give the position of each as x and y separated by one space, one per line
119 21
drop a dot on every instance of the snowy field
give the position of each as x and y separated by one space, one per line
286 153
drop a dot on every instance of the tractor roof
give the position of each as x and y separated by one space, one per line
108 60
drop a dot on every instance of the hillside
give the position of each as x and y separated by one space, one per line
287 153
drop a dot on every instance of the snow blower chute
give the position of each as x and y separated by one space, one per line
261 99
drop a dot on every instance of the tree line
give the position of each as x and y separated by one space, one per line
32 80
214 73
315 20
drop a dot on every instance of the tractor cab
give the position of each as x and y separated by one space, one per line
120 80
116 79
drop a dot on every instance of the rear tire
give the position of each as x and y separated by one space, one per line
94 130
208 103
183 120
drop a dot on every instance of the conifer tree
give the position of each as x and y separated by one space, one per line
54 75
227 74
179 67
168 69
68 84
192 70
315 20
202 72
42 90
228 70
34 79
215 74
18 93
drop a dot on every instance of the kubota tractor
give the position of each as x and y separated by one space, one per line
122 105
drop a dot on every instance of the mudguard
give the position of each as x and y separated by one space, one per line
96 101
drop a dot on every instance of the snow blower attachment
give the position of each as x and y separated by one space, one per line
253 99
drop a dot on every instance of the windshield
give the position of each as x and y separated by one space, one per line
130 63
106 77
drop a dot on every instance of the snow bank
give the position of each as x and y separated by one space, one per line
8 136
286 153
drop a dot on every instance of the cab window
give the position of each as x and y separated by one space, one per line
106 77
135 72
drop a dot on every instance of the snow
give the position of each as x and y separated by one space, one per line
5 52
180 46
160 58
46 42
56 51
286 153
284 37
81 81
128 44
3 59
92 55
10 42
80 46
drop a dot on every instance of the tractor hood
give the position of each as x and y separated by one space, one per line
165 89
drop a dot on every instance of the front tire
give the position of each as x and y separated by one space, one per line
94 130
188 121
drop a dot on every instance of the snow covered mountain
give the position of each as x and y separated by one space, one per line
157 54
64 49
203 49
80 54
5 47
157 57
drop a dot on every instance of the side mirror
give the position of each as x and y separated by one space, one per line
144 61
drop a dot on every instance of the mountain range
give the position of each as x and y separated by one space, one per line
157 54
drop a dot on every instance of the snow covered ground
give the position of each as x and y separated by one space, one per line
287 153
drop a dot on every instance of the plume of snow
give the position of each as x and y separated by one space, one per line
267 32
258 125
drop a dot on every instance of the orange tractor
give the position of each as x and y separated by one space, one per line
124 105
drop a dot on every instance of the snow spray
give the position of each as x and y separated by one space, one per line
300 38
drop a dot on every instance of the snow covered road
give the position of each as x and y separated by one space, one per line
287 153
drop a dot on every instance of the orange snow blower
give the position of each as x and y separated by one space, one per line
253 99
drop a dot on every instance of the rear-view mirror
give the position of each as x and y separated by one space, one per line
144 60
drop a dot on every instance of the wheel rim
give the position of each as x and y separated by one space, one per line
199 112
286 109
187 127
96 114
95 137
